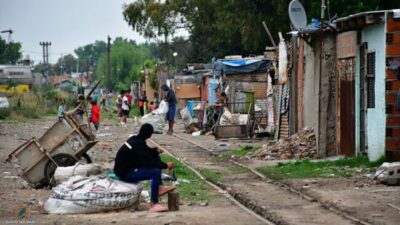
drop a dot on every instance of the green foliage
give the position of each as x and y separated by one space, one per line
219 27
210 175
195 189
66 64
307 169
4 113
127 60
39 103
10 53
237 153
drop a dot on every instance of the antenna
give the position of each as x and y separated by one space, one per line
297 15
9 31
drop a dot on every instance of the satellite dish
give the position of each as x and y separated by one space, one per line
297 15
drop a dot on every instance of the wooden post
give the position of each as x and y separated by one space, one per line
173 201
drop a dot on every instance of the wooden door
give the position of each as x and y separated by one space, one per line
346 106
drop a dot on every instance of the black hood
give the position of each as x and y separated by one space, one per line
146 131
165 87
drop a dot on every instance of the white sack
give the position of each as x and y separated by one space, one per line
156 120
64 173
226 118
92 194
162 108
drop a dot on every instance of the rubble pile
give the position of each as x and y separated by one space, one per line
298 146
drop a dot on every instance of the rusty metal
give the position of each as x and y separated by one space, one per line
346 74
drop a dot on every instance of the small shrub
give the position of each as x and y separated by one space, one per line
4 113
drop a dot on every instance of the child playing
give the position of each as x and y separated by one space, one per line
95 115
61 108
152 106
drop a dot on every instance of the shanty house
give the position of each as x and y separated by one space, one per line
346 85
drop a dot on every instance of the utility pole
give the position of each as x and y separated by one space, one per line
45 45
108 74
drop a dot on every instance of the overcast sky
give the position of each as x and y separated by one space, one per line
68 24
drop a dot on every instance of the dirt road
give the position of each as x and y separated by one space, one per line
14 192
357 197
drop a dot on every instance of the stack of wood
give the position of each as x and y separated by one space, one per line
299 146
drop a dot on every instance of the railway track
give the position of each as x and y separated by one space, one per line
269 201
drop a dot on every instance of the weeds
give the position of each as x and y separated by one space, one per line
36 104
307 169
237 153
191 187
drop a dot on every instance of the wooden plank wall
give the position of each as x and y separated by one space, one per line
256 83
392 142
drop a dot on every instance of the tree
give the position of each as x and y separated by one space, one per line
219 27
9 53
127 60
89 55
66 64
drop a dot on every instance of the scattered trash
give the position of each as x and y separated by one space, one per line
196 134
204 204
104 145
103 134
388 173
4 104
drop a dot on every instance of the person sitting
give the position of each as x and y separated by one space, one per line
135 162
219 106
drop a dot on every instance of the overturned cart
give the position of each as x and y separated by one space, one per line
62 145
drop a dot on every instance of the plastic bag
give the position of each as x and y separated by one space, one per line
92 194
162 108
156 120
226 118
186 117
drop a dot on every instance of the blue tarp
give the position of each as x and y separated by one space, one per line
239 66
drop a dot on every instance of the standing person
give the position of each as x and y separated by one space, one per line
142 102
135 162
95 115
103 98
109 98
128 94
80 107
61 109
125 109
170 97
119 103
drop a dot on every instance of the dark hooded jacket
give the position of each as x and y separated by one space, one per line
170 96
134 153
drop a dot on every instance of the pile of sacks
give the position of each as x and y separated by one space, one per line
80 191
298 146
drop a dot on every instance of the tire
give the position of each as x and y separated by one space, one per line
87 158
62 159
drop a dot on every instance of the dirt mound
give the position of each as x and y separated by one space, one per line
298 146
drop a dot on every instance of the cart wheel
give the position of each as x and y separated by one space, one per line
61 159
87 158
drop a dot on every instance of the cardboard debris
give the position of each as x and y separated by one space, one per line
298 146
